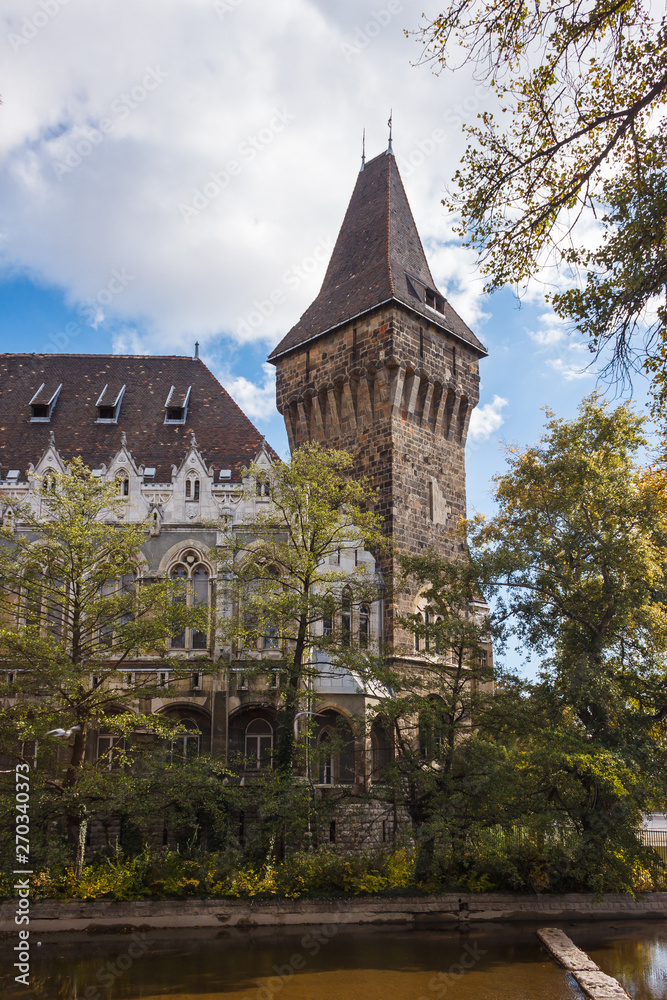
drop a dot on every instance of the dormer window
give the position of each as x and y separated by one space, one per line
176 406
13 476
427 295
42 403
192 488
149 476
108 405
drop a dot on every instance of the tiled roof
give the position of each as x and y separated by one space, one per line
225 437
377 249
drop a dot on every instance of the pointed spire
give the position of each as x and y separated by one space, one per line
363 151
390 151
378 257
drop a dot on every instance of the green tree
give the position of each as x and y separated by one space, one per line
443 760
580 133
76 613
578 549
290 591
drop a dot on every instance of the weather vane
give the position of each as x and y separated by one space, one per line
363 150
391 114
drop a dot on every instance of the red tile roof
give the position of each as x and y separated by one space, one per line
377 249
225 436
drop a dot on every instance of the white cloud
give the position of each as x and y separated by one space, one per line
570 370
206 150
487 419
257 401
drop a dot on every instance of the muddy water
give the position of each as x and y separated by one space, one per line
633 952
303 964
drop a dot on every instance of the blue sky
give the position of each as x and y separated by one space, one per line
168 165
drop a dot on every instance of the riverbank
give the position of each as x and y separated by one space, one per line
458 909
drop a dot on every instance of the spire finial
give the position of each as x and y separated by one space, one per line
390 150
363 151
196 350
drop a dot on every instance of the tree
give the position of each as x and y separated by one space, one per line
581 136
289 588
442 761
578 549
76 614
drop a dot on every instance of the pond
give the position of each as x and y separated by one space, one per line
306 963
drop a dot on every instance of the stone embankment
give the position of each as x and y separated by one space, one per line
457 909
595 983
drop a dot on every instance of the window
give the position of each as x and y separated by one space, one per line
327 625
194 580
123 484
186 745
364 626
263 488
271 638
327 759
108 405
107 750
192 487
258 743
42 403
49 481
346 618
176 406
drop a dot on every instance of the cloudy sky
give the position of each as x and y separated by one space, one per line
171 168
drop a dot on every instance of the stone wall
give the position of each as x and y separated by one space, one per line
457 909
397 392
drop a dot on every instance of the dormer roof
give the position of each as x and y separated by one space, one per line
90 383
378 257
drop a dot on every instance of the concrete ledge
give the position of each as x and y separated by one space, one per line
457 909
596 984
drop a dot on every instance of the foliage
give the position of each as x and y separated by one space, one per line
492 859
287 578
577 548
580 136
74 609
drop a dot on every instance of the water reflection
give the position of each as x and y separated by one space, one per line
318 963
634 952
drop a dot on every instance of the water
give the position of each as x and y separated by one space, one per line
315 963
634 952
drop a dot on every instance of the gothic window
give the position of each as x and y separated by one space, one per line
271 638
118 612
49 481
327 759
193 590
334 750
192 487
364 626
263 488
327 625
258 743
108 747
123 481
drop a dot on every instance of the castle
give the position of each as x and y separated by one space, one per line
380 365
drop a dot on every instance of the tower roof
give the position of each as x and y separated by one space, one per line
378 256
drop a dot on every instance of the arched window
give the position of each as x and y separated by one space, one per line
194 580
192 487
258 743
432 728
49 481
123 481
364 626
334 750
186 745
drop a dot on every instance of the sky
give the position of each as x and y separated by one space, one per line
174 171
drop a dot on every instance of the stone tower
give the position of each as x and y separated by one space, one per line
383 367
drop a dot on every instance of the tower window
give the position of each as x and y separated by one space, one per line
42 403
